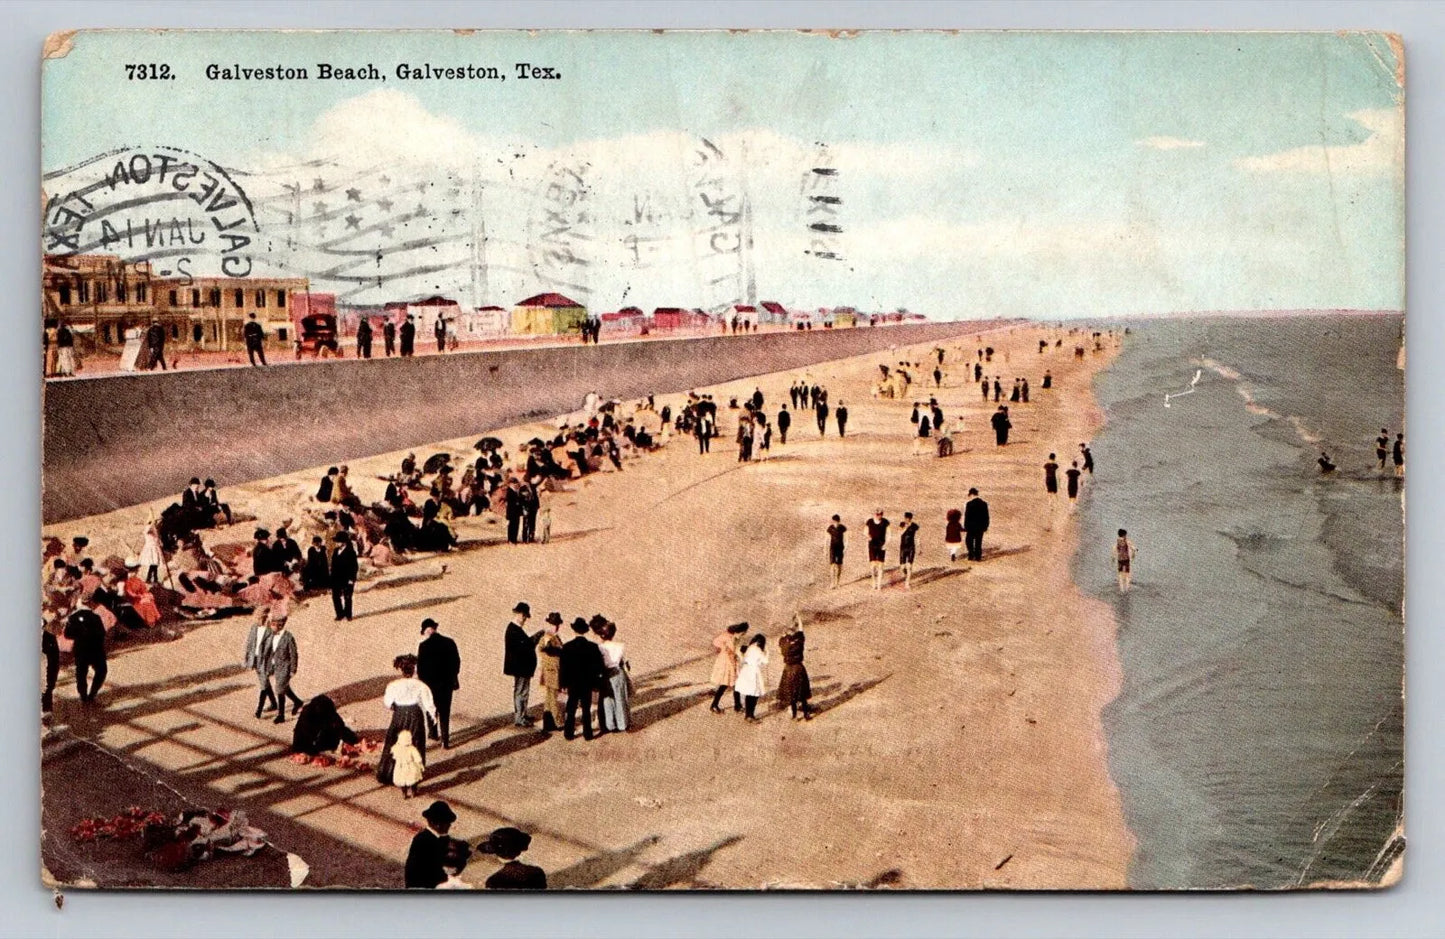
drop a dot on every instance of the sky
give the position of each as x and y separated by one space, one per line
1048 175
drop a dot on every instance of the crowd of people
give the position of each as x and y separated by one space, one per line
581 666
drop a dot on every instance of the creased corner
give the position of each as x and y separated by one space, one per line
58 44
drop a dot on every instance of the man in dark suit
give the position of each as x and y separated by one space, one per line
193 505
581 673
363 339
821 410
441 333
975 523
785 420
156 345
255 340
408 337
263 558
344 568
388 338
87 632
531 505
428 848
438 665
285 553
516 509
520 661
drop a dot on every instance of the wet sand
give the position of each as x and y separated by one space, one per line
958 743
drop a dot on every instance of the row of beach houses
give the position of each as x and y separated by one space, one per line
101 297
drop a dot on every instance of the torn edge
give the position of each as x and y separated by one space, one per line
58 44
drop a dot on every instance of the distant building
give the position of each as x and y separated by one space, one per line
744 314
424 314
101 296
845 316
547 314
773 313
628 321
671 318
489 321
218 307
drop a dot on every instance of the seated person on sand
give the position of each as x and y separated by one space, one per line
381 555
400 531
139 595
320 729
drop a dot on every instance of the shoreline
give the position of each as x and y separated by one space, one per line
951 751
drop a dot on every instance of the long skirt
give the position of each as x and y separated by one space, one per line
403 717
794 687
65 361
617 705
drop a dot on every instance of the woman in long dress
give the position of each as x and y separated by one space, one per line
750 676
794 690
66 361
617 706
411 704
130 353
725 666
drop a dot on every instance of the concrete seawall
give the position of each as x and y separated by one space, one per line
118 440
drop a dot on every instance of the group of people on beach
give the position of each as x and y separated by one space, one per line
581 665
1386 452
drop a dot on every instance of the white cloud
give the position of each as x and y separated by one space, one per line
1168 143
1382 152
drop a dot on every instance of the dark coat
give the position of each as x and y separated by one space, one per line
438 663
581 667
316 575
424 861
263 559
975 515
254 333
323 491
319 728
520 658
344 566
85 629
515 875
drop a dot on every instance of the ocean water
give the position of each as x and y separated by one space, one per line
1258 736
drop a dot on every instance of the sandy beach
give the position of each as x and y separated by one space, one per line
958 743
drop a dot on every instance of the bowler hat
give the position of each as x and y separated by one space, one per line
439 813
428 623
506 843
522 608
579 625
554 618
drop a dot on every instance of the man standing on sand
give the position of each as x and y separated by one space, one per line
283 662
978 376
877 546
388 337
440 331
1382 447
997 389
515 509
581 674
549 649
907 548
984 386
344 569
1399 455
836 531
255 338
438 666
1124 556
842 416
1073 473
975 523
785 420
822 415
520 662
1001 425
87 632
1088 458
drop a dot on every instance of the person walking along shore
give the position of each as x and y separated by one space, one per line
794 689
1124 553
975 523
836 531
